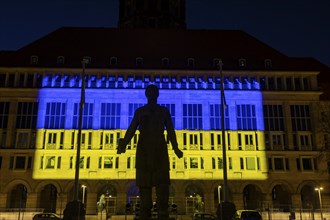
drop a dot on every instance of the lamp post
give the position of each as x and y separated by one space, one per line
219 188
81 106
319 189
75 209
224 157
83 193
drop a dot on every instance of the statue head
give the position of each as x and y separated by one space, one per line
152 92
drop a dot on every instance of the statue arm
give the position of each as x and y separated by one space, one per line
171 134
128 135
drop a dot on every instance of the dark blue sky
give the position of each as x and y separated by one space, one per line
294 27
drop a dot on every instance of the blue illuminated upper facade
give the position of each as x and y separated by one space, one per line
114 108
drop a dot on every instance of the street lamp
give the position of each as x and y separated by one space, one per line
219 188
319 189
83 193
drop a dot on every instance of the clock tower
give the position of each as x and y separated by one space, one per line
152 14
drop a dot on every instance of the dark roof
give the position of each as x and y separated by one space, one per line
152 45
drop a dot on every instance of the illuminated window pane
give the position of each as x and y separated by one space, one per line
192 116
110 115
50 162
82 162
87 116
215 117
55 115
108 162
251 163
246 117
194 162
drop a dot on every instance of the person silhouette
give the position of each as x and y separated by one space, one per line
152 161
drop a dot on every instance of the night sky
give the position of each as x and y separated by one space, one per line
297 28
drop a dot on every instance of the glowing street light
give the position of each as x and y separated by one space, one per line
319 189
83 193
219 188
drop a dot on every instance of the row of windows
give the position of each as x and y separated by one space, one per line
26 139
276 163
274 117
164 82
110 116
109 140
165 62
192 117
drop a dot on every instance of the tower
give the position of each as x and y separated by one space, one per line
152 14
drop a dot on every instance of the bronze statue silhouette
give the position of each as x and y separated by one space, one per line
152 162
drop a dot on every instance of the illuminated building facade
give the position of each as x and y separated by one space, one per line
276 153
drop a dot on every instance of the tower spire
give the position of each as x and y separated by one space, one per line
152 14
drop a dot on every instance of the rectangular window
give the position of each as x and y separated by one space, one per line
82 163
241 160
108 162
217 163
193 162
193 141
128 163
59 160
250 163
173 162
108 140
184 141
230 163
50 162
216 117
288 82
307 164
279 163
71 162
55 115
87 116
4 110
246 117
51 140
300 118
110 115
249 143
22 139
2 79
273 117
20 162
192 116
26 117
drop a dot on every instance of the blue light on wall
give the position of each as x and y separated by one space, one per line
244 106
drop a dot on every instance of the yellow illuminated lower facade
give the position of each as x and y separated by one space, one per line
202 155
